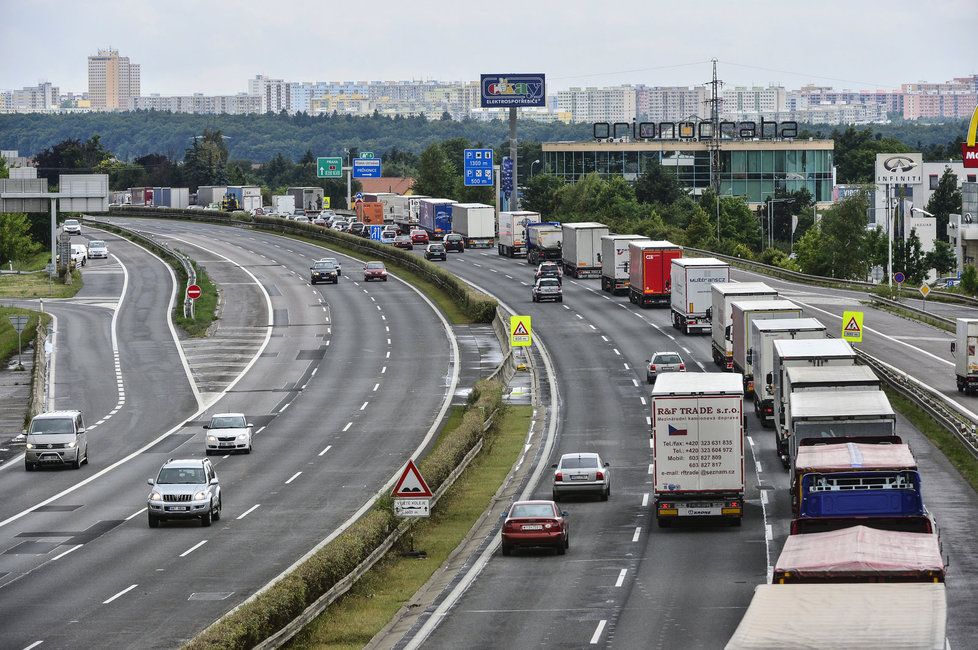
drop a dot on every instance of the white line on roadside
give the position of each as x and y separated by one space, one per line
121 593
261 429
750 441
645 500
135 514
348 425
627 367
643 401
314 371
193 548
579 316
597 632
615 349
70 550
34 645
635 381
757 466
650 468
592 326
364 406
383 370
687 350
648 420
764 497
566 307
293 477
248 511
604 338
282 410
323 452
376 386
621 578
768 532
637 533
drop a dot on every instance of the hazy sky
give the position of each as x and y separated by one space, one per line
214 46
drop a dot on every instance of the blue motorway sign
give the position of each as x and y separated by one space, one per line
366 168
513 90
506 175
477 167
375 232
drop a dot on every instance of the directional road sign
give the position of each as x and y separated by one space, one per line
366 168
375 232
358 196
329 167
852 326
193 292
477 167
520 331
412 507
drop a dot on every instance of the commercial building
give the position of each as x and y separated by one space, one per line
751 168
113 81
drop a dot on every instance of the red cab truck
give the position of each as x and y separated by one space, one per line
650 271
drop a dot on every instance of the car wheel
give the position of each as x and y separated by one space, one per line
86 456
561 548
217 513
561 299
556 497
77 464
313 283
205 519
248 450
385 279
30 467
507 550
154 521
605 494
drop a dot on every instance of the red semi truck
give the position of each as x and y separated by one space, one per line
650 271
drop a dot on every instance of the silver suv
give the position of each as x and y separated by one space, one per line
56 439
185 489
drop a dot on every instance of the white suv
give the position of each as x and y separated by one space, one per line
185 489
72 227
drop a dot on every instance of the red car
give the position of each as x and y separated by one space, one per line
535 524
374 271
403 241
419 236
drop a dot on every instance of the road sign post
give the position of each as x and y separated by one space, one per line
412 498
924 290
19 323
852 326
193 293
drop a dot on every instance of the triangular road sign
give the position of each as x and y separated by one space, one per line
520 330
852 326
411 484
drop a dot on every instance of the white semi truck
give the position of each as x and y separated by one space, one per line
721 315
965 351
746 312
512 232
692 279
581 248
615 262
760 356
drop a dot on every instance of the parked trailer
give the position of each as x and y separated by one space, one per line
760 356
721 315
826 415
512 232
698 446
650 271
435 216
965 351
208 194
283 205
543 241
692 295
387 201
309 199
406 210
844 616
476 222
746 312
581 248
248 197
615 262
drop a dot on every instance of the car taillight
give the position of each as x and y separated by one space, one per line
733 504
652 367
665 506
682 366
559 476
599 476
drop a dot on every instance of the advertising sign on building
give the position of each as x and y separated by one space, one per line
969 148
513 90
899 169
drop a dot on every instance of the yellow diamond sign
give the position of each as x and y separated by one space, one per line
852 326
520 331
924 290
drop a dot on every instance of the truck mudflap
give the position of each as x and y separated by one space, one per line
647 299
669 509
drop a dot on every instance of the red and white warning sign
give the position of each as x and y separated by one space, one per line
411 485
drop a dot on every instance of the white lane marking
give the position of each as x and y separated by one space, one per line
364 406
621 578
637 533
597 632
388 341
225 456
70 550
34 645
524 283
604 338
566 307
314 371
348 425
757 466
686 350
121 593
615 349
193 548
388 355
248 511
645 500
671 337
510 277
135 514
592 326
323 452
282 410
643 401
293 477
648 420
627 367
768 532
750 441
260 430
579 316
635 381
764 497
702 367
494 270
650 468
383 370
376 386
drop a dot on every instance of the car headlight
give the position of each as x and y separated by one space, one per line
155 496
211 438
243 436
30 446
200 496
71 445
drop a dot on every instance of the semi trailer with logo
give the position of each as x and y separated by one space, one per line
692 279
650 271
581 248
512 232
760 356
615 262
435 216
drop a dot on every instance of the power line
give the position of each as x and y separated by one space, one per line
805 74
609 74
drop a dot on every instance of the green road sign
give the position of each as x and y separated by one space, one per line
331 167
367 154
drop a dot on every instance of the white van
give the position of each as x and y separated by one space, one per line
56 439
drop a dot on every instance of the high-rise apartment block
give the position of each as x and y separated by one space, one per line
670 103
615 104
275 94
113 81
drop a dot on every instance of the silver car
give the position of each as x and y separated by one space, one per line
185 489
547 289
56 439
663 362
582 473
228 432
72 227
97 248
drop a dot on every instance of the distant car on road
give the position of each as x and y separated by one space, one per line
454 242
539 524
324 272
320 220
72 227
228 432
547 289
435 251
185 489
374 271
403 241
549 270
419 236
581 474
387 237
79 253
97 248
341 225
357 229
664 362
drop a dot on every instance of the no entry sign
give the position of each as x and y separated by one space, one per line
193 292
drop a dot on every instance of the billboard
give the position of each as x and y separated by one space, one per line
969 148
513 90
899 169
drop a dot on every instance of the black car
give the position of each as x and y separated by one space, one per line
324 272
357 228
454 242
435 252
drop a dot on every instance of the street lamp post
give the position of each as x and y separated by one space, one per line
770 218
535 162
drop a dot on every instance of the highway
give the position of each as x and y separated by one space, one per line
324 392
625 582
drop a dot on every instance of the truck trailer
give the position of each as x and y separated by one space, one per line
406 209
650 271
698 446
745 312
308 199
581 248
248 197
207 195
615 262
760 356
371 212
476 222
512 232
435 216
543 241
283 205
721 315
965 351
692 295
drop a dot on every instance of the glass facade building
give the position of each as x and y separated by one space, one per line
750 168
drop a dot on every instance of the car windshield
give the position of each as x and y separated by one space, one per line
96 244
582 462
52 425
181 475
548 282
324 266
375 265
437 248
454 237
532 510
71 222
330 260
228 422
667 358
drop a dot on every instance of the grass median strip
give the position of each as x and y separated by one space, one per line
8 335
38 285
354 619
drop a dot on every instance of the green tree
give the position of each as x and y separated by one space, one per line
941 259
540 194
3 168
71 155
969 279
837 246
436 175
914 262
205 162
855 152
15 238
811 254
657 185
945 200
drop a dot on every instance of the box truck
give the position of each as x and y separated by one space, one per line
698 446
615 262
581 248
744 313
512 232
388 202
476 222
406 209
309 199
248 197
760 356
543 241
692 295
650 271
435 216
283 205
965 351
371 213
721 315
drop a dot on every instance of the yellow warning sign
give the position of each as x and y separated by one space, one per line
326 203
520 331
852 326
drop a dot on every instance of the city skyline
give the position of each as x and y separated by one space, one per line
187 48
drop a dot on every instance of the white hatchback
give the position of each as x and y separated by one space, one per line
228 432
97 248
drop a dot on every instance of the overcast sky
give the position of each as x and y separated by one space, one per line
215 46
